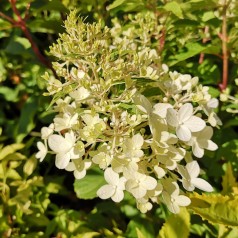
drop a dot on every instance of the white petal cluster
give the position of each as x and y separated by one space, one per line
190 178
103 118
184 121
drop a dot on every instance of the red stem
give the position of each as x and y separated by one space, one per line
204 40
20 23
162 40
225 53
7 17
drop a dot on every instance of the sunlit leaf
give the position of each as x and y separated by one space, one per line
29 166
176 226
228 180
141 226
13 174
9 149
87 187
175 8
216 208
9 94
126 6
90 234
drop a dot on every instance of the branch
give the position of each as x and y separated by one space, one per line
204 40
21 23
7 18
225 53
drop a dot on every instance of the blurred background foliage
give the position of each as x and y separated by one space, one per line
198 37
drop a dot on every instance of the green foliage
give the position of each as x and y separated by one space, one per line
177 225
87 187
216 208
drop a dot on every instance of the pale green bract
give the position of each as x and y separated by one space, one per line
120 109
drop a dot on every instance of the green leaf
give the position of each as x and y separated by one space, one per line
46 26
228 180
26 122
13 174
18 46
9 94
126 6
192 50
227 232
139 233
87 187
37 219
140 228
216 208
214 92
90 234
9 149
30 166
208 16
115 4
175 8
176 226
53 5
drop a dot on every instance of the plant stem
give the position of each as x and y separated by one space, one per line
20 23
204 40
225 52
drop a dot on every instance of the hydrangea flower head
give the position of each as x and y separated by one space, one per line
106 116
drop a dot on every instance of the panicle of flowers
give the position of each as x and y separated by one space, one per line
119 109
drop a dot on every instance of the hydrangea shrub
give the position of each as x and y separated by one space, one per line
119 108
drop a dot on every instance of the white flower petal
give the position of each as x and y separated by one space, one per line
70 137
202 184
185 112
87 164
195 124
59 144
142 103
193 169
211 145
138 192
79 174
111 177
187 185
47 131
42 151
118 196
160 172
171 117
150 183
160 109
172 206
70 167
133 187
183 133
62 160
213 103
137 140
206 133
197 151
80 94
106 191
173 189
183 201
184 173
